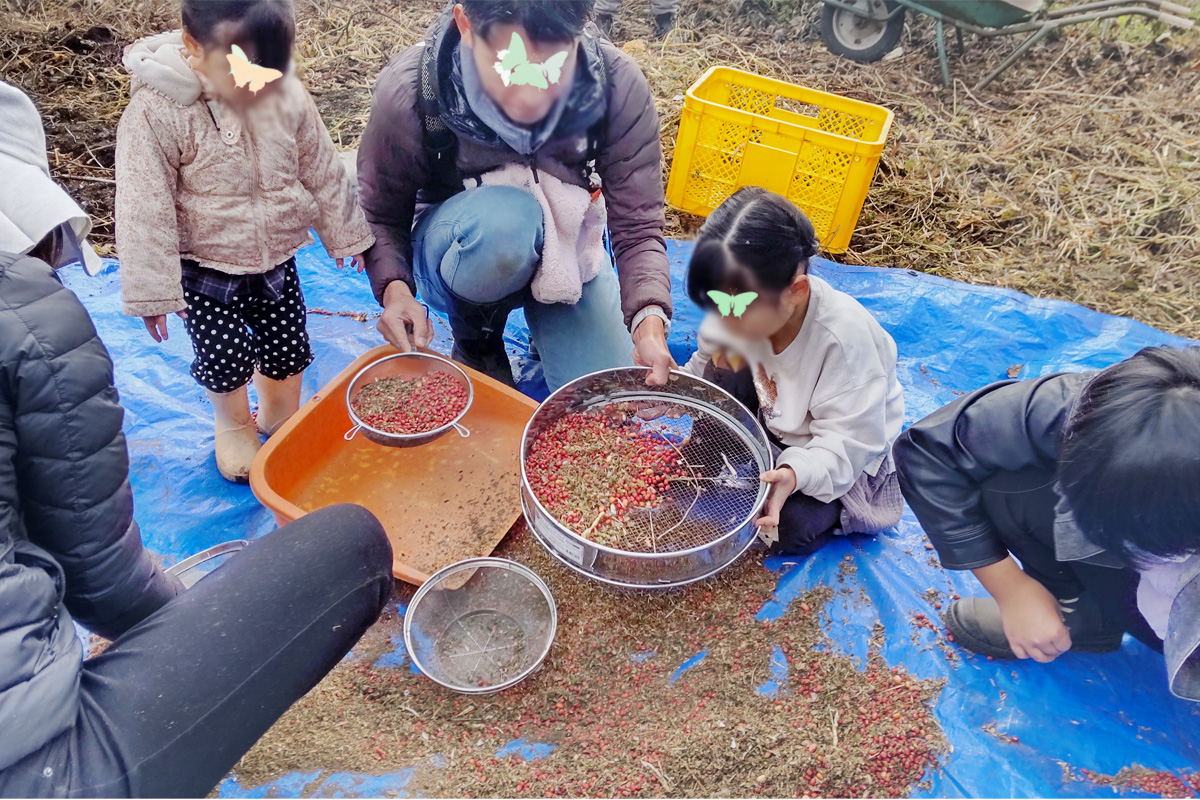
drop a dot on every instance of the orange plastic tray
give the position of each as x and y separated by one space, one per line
441 502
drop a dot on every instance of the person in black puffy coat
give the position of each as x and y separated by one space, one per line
193 678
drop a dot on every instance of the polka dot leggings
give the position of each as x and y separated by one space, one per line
233 339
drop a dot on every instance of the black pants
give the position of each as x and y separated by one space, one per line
1020 505
805 523
173 704
250 331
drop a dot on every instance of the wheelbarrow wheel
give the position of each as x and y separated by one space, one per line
865 38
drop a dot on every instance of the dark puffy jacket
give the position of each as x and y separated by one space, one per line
945 460
69 547
394 175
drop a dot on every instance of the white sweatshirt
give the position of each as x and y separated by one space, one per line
832 396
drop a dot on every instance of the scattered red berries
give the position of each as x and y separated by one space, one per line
1155 782
411 405
591 467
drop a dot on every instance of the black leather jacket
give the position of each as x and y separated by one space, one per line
944 460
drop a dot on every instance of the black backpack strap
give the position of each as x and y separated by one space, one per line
595 132
441 145
590 173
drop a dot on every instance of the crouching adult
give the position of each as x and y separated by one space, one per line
193 678
513 136
1089 480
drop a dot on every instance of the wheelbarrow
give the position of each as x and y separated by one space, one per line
867 30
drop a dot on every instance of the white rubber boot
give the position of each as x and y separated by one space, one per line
277 401
236 438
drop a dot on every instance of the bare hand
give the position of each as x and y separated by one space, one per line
157 325
1033 622
356 261
650 350
783 483
405 322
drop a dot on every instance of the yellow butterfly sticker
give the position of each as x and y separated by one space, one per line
244 72
515 68
732 303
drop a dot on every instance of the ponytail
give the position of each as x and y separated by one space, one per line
755 240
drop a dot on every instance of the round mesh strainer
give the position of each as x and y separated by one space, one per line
701 522
192 569
406 365
480 625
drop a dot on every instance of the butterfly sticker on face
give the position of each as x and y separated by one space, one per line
245 72
515 69
732 303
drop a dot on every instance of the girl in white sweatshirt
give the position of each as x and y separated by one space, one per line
815 365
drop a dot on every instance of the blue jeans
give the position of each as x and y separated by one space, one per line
481 249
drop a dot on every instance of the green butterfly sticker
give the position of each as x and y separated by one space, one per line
732 303
514 66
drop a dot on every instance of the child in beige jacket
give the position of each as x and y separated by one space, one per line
217 185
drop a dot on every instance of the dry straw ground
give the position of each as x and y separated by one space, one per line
644 694
1075 176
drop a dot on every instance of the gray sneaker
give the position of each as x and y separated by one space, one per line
1089 633
663 23
976 625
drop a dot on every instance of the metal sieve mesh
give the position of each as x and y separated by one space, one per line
406 365
480 625
702 520
717 493
482 648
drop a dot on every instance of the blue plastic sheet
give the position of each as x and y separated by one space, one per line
1095 712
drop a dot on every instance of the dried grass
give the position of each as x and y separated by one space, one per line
625 722
1074 176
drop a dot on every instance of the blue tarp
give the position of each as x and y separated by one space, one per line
1096 712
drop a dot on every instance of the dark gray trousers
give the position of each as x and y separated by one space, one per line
1021 507
173 704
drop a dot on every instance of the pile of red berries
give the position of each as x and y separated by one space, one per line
411 405
589 468
1156 782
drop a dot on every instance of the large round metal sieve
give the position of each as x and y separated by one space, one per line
480 625
703 521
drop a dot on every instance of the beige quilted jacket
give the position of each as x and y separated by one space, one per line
236 194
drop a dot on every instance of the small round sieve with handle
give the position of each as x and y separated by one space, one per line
193 568
406 365
480 625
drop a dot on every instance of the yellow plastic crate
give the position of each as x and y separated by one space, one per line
817 149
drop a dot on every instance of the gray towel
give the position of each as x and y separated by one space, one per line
874 502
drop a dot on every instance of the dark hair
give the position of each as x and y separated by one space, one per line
755 241
1130 461
265 29
544 21
50 248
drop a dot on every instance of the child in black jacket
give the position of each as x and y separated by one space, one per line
1090 480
